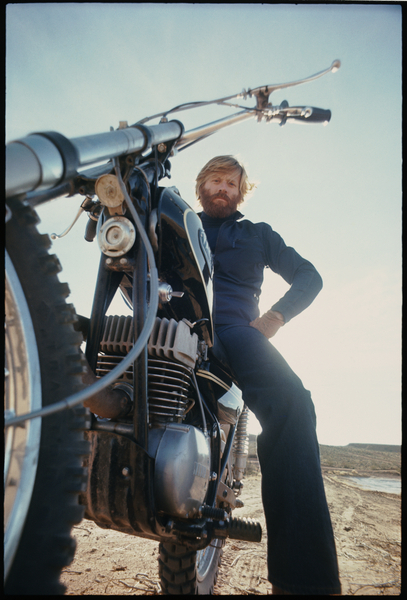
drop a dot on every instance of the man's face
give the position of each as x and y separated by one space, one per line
220 194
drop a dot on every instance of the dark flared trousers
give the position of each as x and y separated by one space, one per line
301 548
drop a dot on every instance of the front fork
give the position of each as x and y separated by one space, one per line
109 277
140 369
120 490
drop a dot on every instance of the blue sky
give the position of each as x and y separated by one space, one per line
333 193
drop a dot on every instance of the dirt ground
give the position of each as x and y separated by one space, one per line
367 528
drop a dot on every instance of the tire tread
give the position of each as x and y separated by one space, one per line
46 545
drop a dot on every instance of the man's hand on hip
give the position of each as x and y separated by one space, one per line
269 323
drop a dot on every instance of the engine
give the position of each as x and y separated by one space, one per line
181 451
172 351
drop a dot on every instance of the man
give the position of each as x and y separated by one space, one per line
301 549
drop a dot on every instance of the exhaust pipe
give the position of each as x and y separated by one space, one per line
113 402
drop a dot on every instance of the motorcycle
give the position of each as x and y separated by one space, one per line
146 432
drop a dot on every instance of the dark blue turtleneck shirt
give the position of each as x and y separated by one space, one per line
241 251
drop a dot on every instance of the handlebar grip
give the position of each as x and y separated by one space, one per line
313 115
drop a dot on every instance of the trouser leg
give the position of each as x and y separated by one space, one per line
301 549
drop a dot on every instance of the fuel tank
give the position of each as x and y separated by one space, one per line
185 262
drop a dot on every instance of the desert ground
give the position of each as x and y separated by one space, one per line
367 527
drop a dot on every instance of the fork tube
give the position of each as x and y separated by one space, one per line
140 377
106 286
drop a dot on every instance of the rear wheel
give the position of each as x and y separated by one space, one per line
185 572
43 457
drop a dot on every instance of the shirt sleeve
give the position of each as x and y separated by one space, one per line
304 280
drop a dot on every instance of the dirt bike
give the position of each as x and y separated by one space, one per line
161 451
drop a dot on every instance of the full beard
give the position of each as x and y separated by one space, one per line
218 210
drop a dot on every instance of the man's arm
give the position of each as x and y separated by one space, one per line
305 283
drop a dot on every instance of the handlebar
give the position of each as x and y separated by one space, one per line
42 161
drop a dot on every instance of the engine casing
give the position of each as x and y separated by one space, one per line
182 468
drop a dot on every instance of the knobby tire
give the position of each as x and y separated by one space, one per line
187 572
45 545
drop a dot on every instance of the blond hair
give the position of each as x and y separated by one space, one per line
224 164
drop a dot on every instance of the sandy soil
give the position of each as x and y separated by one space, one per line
367 528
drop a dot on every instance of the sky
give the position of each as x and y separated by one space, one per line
332 192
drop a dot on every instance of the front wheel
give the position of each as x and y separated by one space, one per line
43 471
186 572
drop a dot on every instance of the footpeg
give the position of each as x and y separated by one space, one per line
245 530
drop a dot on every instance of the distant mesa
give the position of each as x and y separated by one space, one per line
378 447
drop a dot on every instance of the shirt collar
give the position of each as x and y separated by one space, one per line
204 217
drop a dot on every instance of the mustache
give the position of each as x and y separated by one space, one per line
219 195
